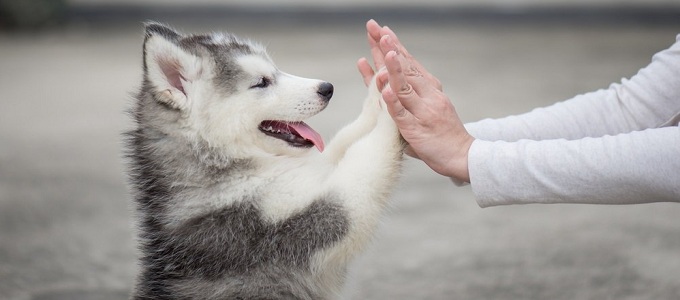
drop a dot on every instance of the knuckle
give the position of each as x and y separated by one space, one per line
406 89
413 71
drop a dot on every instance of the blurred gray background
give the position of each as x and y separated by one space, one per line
68 69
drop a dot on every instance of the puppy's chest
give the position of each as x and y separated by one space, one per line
238 238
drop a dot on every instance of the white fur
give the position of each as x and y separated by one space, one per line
161 52
359 166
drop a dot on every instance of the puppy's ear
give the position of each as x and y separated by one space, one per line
169 68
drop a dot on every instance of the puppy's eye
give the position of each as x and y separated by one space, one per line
263 83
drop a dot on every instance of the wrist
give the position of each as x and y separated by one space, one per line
458 165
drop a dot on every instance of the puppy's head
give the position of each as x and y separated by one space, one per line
227 93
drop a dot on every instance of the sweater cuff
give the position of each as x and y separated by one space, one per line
478 150
484 179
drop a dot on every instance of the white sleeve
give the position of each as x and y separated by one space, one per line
637 167
620 145
650 99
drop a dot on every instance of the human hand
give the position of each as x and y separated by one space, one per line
374 33
423 113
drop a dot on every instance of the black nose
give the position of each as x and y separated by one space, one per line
325 91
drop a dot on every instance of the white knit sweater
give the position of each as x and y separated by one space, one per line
619 145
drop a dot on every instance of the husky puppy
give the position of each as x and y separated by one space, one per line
236 197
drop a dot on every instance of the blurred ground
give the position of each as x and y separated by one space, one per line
65 228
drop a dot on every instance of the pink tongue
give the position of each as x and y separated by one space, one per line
308 133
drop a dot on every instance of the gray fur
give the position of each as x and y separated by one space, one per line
204 45
230 252
235 245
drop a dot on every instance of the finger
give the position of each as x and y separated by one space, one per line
387 31
398 83
373 30
365 70
422 86
402 50
386 44
381 79
399 113
373 37
399 46
376 53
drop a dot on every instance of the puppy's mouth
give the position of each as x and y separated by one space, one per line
296 134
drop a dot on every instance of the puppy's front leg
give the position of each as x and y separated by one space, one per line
358 128
367 173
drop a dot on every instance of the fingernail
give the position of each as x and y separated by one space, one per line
389 29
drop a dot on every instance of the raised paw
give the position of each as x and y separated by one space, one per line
374 104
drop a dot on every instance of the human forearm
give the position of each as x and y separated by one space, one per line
582 116
647 100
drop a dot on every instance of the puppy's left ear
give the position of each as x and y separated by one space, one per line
169 68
